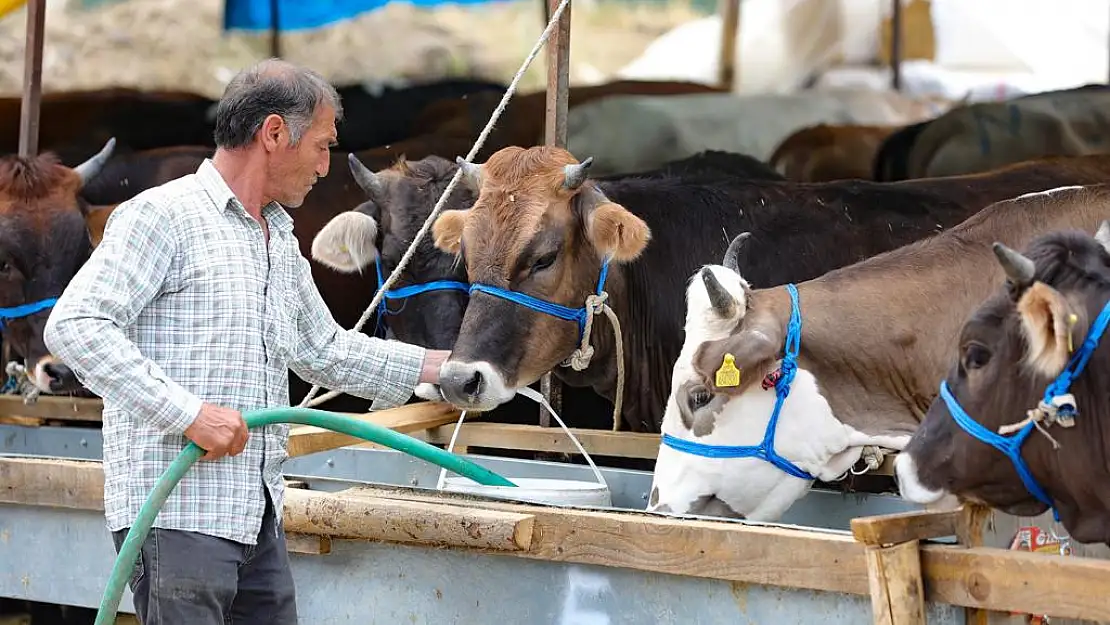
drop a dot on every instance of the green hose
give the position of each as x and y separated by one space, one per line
129 551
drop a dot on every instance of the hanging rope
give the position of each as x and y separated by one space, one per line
308 400
581 357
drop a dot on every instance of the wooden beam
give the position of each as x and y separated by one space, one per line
532 438
306 439
897 31
397 521
901 527
32 79
897 592
729 10
55 408
307 544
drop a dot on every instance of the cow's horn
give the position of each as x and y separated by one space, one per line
1102 235
472 173
576 174
365 178
90 168
732 254
723 302
1018 268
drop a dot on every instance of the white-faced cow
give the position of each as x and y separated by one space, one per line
855 355
44 239
1020 423
541 239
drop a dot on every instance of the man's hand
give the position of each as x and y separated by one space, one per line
433 360
219 431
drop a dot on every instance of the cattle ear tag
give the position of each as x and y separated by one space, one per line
728 375
1072 320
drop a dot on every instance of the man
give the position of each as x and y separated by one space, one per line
191 310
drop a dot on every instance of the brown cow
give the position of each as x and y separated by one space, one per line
44 240
539 228
1042 321
828 152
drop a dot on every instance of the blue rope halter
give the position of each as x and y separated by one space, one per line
1011 445
578 315
25 310
412 289
765 450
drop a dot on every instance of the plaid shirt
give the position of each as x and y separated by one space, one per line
181 303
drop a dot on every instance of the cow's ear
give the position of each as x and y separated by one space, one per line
96 218
448 230
1047 320
612 230
349 242
753 352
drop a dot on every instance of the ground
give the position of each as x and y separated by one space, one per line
179 44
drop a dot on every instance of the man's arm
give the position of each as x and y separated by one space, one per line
344 360
123 274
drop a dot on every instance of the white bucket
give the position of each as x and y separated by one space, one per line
535 489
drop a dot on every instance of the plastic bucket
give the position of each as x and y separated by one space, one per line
537 490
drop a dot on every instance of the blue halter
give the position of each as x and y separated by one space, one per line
25 310
765 450
578 315
412 289
1011 445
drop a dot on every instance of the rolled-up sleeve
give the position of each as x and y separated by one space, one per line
324 353
85 329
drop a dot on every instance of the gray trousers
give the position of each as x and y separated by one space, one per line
186 578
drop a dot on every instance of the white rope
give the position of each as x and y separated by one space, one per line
580 359
555 15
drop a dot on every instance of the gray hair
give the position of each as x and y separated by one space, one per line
271 87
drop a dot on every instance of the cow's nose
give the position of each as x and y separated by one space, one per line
472 385
61 377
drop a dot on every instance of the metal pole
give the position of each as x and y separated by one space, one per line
32 79
275 30
896 46
729 10
555 133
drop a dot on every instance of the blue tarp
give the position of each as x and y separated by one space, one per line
304 14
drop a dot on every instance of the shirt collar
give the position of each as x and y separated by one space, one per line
223 197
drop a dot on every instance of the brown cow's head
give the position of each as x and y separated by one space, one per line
44 240
380 230
539 228
1009 351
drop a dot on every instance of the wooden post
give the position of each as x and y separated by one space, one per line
969 533
275 29
729 11
896 46
555 133
894 561
32 79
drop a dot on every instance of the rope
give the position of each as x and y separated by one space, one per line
308 400
580 359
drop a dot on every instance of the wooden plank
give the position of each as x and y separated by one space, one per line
307 544
730 27
32 79
53 482
57 408
901 527
393 520
306 439
534 438
897 592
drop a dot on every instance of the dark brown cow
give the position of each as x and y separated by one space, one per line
539 228
1047 321
44 240
827 152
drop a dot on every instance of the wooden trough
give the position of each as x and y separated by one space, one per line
352 509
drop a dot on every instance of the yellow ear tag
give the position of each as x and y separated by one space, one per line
728 375
1072 320
344 249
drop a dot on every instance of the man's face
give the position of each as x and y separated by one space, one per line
296 167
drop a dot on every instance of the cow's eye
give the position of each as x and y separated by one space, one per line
544 262
976 356
4 266
699 397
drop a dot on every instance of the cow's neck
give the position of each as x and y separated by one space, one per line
644 396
